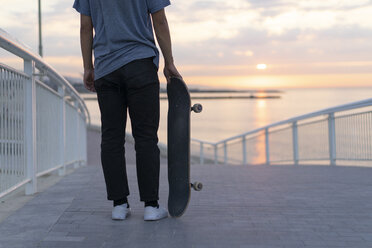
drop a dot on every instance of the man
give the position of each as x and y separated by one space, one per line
124 76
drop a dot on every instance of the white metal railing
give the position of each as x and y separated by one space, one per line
342 133
42 122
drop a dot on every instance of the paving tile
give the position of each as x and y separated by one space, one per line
64 238
240 206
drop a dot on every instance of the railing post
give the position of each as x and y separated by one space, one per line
201 153
295 142
244 144
267 149
225 152
332 138
30 128
77 160
215 154
62 131
85 133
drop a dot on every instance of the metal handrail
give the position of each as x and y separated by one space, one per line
201 141
17 48
327 111
294 124
13 70
50 137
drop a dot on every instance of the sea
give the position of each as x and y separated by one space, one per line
224 118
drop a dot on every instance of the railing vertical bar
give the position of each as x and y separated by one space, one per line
81 156
81 137
369 135
85 143
369 138
360 130
201 153
2 128
225 152
16 134
10 127
2 115
76 150
267 148
11 131
215 154
345 126
332 138
5 169
62 130
30 127
13 125
295 142
244 147
78 135
365 145
364 133
16 100
22 129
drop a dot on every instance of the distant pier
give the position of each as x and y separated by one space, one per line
164 97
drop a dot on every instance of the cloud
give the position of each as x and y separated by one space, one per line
291 35
218 37
333 4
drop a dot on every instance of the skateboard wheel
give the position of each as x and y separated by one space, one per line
197 108
197 186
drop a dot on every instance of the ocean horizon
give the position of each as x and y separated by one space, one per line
224 118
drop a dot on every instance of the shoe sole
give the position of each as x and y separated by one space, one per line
155 219
126 217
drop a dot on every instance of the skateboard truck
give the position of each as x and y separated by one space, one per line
197 186
197 108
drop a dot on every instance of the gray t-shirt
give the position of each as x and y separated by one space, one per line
123 31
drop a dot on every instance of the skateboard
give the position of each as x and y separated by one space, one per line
179 109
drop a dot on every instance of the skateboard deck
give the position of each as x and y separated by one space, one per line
179 109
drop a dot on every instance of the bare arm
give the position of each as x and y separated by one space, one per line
163 37
86 42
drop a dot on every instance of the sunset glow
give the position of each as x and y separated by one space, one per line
226 43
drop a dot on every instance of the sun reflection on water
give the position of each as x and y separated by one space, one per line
260 112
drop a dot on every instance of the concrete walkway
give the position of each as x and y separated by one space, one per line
240 206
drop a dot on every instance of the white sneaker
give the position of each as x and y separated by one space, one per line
153 213
120 212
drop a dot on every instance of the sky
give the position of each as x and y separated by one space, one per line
304 43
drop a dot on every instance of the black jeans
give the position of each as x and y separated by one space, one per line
135 87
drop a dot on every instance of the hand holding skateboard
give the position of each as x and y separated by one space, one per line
170 71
